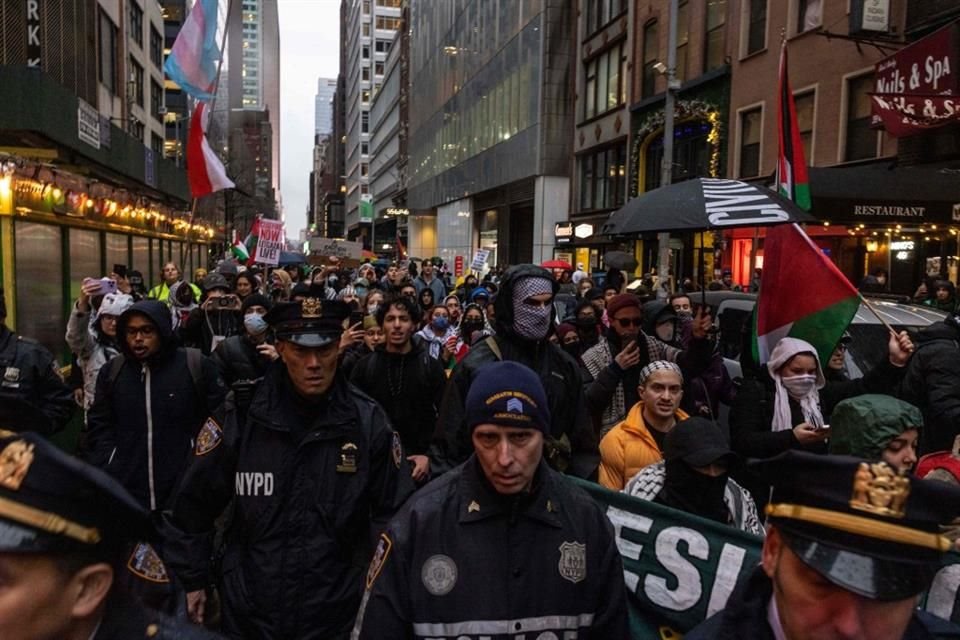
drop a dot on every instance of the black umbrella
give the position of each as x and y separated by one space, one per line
704 204
620 260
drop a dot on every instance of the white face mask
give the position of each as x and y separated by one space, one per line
800 386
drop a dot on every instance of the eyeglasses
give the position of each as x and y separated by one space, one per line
626 322
146 331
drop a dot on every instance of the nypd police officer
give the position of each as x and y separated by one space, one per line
314 471
32 394
66 530
502 546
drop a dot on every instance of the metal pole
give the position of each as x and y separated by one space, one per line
666 172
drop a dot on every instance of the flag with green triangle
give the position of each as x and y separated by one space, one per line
792 181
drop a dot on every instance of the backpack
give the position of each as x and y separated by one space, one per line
194 365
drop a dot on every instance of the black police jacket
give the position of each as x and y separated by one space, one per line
461 561
745 616
32 393
126 619
312 486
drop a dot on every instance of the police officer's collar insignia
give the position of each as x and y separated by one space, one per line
473 506
397 450
145 563
311 308
15 461
379 559
878 489
348 458
573 561
439 574
11 374
209 438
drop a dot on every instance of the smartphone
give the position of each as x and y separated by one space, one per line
107 286
356 317
120 270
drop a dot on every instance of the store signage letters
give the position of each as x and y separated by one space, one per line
33 33
892 211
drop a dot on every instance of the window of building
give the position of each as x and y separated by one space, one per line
389 3
365 122
364 169
683 39
136 129
603 182
382 46
600 12
366 7
756 25
108 53
606 81
365 29
808 15
861 140
387 23
804 104
364 189
365 52
650 50
156 48
156 144
750 126
136 23
714 45
136 82
691 154
378 68
365 73
364 148
365 96
156 100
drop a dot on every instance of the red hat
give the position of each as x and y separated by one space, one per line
622 301
939 460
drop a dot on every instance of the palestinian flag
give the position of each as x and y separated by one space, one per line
802 294
250 242
792 181
240 252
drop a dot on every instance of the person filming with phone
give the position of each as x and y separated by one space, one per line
217 318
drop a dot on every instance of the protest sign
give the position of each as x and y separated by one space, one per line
347 252
270 242
479 259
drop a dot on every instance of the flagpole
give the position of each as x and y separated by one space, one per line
873 309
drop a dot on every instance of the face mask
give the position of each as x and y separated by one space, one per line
684 315
800 386
586 322
666 331
469 326
372 309
441 323
255 324
531 322
573 348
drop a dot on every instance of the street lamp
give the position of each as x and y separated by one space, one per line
666 166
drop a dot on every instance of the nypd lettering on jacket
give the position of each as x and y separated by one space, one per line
253 483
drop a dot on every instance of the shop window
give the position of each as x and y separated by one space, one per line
650 50
136 23
756 25
804 104
107 37
751 122
606 80
715 42
39 260
603 178
861 140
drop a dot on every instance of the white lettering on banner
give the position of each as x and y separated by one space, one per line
625 520
729 202
253 483
942 596
689 586
731 560
269 242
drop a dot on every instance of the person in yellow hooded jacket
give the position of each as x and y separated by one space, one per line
637 441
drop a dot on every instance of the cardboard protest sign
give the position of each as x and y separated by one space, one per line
270 242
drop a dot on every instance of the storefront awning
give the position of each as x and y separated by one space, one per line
885 194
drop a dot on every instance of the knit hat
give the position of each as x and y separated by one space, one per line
507 394
622 301
564 328
256 300
114 304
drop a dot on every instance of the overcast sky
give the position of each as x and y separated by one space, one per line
309 49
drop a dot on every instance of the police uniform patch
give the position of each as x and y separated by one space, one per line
573 561
15 461
439 574
379 559
145 563
209 438
397 450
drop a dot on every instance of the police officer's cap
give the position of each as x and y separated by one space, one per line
859 524
52 502
312 322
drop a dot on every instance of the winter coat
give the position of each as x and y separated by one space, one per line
409 387
312 485
237 358
460 561
434 343
126 618
204 326
91 353
558 371
436 286
629 447
33 395
142 425
932 383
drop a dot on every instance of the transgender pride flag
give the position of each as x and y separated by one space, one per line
192 62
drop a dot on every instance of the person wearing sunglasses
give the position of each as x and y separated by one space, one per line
613 365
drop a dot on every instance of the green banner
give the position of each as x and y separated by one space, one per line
681 569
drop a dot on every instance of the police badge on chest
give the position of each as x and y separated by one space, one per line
11 378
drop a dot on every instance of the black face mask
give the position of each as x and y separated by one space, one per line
687 489
469 326
586 322
573 348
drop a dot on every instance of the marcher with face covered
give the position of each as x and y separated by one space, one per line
314 471
694 477
217 318
787 406
524 314
612 367
638 440
438 336
587 322
876 427
703 393
247 356
502 546
850 547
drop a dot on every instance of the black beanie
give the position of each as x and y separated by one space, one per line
507 394
256 299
